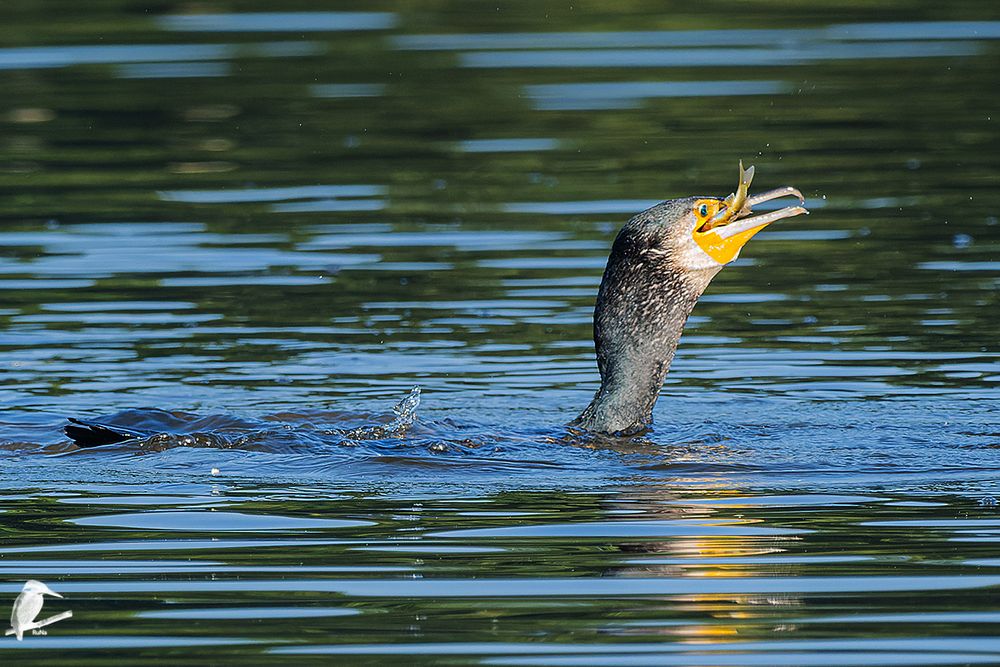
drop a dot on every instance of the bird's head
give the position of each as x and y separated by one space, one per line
33 586
698 234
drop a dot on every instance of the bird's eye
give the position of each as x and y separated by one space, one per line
703 210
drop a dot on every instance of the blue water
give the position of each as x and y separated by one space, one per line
252 233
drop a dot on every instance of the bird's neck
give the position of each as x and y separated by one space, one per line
642 306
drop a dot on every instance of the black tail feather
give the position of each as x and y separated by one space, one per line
92 434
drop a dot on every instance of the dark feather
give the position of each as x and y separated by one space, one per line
92 434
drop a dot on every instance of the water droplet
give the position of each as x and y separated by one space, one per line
962 240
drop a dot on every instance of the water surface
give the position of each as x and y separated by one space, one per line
271 225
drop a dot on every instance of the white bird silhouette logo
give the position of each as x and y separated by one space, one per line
27 606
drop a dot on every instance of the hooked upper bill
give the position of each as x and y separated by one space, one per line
725 225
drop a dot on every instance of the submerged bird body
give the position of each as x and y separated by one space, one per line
661 262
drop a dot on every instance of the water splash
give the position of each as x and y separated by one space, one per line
406 414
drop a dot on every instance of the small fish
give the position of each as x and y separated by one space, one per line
736 203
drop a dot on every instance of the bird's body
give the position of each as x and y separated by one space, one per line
28 605
26 608
642 306
661 262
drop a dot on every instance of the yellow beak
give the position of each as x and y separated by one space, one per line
730 229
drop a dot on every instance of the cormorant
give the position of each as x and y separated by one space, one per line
660 263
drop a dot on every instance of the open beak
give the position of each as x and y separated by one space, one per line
728 231
743 222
